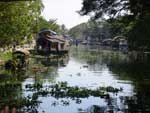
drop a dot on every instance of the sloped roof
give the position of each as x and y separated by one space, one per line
23 51
59 38
47 30
54 40
105 40
118 38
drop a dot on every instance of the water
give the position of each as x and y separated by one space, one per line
86 67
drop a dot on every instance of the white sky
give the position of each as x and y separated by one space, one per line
64 11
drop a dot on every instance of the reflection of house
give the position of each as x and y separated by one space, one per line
49 42
54 61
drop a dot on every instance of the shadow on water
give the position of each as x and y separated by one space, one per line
109 82
125 67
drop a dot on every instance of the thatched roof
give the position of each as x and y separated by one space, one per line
23 51
107 40
117 38
47 31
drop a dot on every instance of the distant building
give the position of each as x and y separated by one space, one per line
120 42
107 42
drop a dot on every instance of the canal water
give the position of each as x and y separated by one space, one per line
85 67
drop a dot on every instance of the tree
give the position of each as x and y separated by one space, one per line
17 20
79 31
130 18
111 8
139 34
51 24
97 30
64 30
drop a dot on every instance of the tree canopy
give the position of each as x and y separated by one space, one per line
50 24
99 8
20 20
97 30
17 20
127 17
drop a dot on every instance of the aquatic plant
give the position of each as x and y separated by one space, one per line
62 90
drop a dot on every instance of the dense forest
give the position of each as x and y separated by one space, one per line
124 17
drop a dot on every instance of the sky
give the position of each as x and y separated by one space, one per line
64 11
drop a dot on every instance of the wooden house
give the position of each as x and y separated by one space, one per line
49 42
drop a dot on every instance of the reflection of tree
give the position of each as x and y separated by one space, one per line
95 109
140 102
138 72
55 61
11 97
10 92
47 67
135 68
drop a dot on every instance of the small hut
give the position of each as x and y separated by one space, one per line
106 42
119 42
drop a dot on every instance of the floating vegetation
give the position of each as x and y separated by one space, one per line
62 90
85 66
110 89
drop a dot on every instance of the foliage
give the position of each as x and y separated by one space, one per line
139 34
5 56
113 8
51 24
62 90
63 30
17 20
130 18
120 25
79 31
94 29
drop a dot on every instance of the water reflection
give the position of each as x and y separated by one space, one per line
86 67
57 61
124 68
